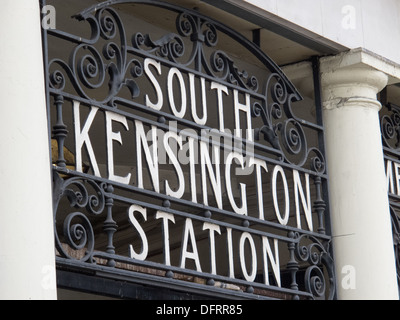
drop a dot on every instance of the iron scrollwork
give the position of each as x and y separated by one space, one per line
311 255
390 128
287 135
74 234
319 260
390 132
108 63
89 68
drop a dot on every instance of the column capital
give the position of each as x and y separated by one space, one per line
348 79
361 56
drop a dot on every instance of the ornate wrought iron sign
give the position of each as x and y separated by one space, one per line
390 129
178 158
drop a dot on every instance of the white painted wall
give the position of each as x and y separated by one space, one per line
371 24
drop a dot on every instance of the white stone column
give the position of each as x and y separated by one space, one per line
359 208
27 258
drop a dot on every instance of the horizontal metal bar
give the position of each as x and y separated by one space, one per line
188 203
187 123
389 153
154 280
113 288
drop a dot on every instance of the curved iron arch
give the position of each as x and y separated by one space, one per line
256 50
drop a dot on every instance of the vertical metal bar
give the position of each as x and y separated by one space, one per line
42 3
292 265
60 131
321 145
109 226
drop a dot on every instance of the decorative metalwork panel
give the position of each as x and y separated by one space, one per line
390 129
180 159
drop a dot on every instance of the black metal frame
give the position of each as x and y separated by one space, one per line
96 196
390 130
306 38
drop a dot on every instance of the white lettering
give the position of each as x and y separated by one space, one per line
114 136
192 169
215 178
166 216
145 245
245 108
397 176
158 105
82 137
285 219
185 254
247 236
203 120
230 252
389 177
175 72
212 228
267 255
228 162
151 157
220 89
260 199
181 181
305 200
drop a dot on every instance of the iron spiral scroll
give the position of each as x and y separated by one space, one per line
75 228
309 249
